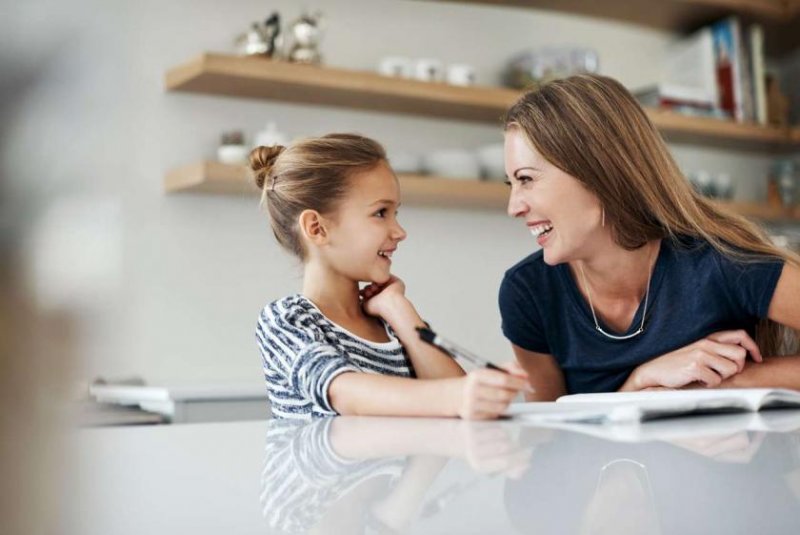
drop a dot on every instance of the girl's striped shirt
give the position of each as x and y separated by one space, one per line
302 351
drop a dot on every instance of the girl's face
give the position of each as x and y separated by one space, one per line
562 215
364 231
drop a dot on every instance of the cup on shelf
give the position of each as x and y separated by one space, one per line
233 154
460 74
270 136
428 70
405 163
452 163
396 66
232 149
490 158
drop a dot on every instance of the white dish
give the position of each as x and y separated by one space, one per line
233 154
405 163
454 163
491 161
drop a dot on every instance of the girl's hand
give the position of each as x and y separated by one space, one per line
484 394
708 361
377 298
490 448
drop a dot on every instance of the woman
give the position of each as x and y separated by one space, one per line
640 282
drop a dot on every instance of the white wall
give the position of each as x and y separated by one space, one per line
93 120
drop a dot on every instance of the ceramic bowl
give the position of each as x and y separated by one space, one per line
452 163
490 158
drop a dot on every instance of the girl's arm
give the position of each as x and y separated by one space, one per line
390 303
483 394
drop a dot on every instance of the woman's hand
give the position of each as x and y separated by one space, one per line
708 361
484 393
377 298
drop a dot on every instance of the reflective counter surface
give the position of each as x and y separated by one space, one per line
723 474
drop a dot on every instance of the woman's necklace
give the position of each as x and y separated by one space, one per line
599 329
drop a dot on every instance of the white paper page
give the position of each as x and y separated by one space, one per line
751 396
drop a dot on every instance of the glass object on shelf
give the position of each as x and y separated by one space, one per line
724 186
717 186
701 182
786 177
532 68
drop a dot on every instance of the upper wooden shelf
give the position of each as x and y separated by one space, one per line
251 77
779 17
219 178
236 76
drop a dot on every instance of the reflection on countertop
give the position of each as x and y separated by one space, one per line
702 474
713 474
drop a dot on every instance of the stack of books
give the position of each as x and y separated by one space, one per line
717 71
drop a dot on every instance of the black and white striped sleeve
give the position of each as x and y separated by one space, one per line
297 357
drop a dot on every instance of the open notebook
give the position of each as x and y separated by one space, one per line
611 407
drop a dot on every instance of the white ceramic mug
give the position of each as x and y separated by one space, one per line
428 70
460 74
396 66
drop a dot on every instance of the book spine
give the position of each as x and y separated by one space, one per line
724 66
759 82
739 68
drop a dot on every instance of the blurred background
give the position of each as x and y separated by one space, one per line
109 280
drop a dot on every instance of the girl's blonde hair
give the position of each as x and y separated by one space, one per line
592 128
310 174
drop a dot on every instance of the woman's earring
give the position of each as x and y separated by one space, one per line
603 220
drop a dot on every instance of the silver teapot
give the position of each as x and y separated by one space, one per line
305 34
262 39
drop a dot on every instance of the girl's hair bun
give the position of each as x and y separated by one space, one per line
262 160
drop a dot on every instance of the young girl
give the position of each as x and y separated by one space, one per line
334 349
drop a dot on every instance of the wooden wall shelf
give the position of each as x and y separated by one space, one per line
220 74
235 76
219 178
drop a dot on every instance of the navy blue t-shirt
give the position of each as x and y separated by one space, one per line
695 291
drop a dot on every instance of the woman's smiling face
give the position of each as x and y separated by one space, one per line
560 212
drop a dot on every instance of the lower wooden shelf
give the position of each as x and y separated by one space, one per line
219 178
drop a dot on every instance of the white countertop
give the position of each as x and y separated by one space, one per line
713 474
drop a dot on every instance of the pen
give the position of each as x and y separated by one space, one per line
427 335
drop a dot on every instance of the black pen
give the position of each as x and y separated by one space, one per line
427 335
